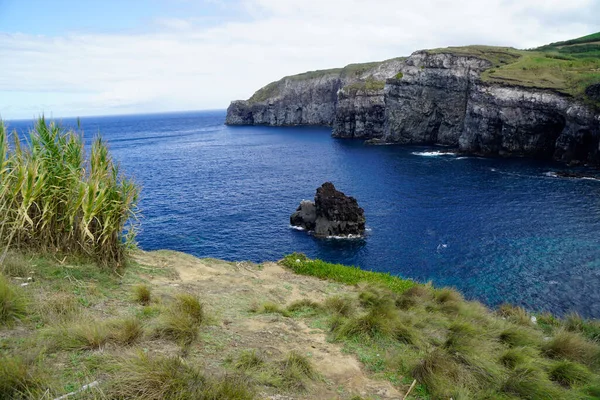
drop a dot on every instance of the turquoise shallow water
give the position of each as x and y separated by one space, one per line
498 230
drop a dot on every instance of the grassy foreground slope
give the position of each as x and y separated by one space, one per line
176 327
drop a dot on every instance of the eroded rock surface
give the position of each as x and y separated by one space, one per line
332 214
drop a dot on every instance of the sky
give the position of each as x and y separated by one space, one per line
67 58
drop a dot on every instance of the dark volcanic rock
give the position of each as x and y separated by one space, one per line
332 214
305 216
593 91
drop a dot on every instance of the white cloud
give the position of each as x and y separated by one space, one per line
185 64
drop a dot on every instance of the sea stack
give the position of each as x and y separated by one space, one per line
331 214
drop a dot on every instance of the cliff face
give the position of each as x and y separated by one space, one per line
312 99
441 100
428 104
482 100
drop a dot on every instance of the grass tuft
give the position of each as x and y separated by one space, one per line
296 370
530 383
518 315
304 306
142 294
190 305
249 360
13 303
338 305
19 379
516 336
573 347
568 373
446 295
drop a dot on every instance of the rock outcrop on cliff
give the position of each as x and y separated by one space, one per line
483 100
332 214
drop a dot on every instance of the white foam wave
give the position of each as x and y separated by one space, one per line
297 228
345 237
433 153
551 174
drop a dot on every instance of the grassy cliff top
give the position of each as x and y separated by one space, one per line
568 67
349 71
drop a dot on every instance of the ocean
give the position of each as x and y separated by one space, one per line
499 230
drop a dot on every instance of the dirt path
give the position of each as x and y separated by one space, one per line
230 289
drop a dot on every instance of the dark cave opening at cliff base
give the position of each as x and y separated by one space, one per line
535 140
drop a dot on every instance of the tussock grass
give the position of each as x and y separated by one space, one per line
181 320
304 305
530 383
518 315
302 265
339 305
297 370
57 307
171 378
589 329
460 349
250 360
516 336
20 379
85 334
15 265
568 373
142 294
54 200
268 307
572 347
13 302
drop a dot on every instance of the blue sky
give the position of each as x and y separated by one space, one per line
76 58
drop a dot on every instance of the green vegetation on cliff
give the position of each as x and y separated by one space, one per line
568 67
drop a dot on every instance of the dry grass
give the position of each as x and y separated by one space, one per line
181 320
142 294
20 379
13 303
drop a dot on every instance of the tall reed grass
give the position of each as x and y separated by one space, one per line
55 199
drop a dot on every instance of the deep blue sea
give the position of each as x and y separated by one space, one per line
498 230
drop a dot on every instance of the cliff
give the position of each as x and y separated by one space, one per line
312 99
492 101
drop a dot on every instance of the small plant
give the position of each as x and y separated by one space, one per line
304 305
338 305
568 373
249 360
15 265
181 320
518 315
191 306
529 383
447 295
142 294
13 303
296 369
57 307
19 379
126 331
80 335
516 336
514 357
573 347
399 75
156 378
269 307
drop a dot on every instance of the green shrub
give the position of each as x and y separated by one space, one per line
13 303
52 199
399 75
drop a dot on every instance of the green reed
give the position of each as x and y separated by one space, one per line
54 199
